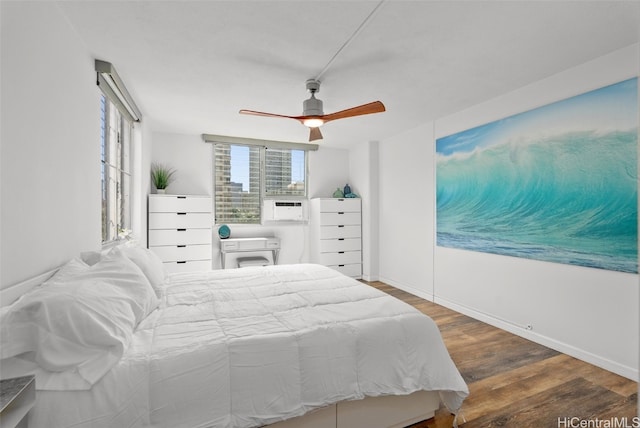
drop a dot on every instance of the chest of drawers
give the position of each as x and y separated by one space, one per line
336 234
180 231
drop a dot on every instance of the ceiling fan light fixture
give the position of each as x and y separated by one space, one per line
313 122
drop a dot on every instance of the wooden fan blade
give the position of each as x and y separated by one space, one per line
315 134
260 113
374 107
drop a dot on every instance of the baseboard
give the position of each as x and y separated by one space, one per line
408 288
604 363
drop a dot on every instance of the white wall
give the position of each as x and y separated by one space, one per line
364 173
50 183
50 194
193 160
589 313
406 207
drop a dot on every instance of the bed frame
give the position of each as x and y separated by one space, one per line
392 411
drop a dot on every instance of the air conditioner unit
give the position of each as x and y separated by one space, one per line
279 210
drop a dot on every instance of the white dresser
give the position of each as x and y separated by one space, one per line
180 229
336 234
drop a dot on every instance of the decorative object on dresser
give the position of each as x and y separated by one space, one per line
17 397
224 232
180 231
336 234
162 176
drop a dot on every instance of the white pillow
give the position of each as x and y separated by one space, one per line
91 257
80 328
68 271
149 263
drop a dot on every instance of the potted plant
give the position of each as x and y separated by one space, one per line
161 176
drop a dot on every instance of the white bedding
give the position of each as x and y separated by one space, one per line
252 346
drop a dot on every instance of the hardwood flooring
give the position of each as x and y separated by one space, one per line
514 382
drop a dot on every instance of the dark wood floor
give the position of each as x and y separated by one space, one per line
514 382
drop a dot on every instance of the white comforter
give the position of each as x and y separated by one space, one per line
248 347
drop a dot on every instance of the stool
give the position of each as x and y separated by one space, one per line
252 261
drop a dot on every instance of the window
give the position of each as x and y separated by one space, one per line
246 174
115 142
237 183
285 172
118 112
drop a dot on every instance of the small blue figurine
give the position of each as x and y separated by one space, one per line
346 190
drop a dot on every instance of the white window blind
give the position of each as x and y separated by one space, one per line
116 170
117 114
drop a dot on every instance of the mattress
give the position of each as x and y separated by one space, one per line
249 347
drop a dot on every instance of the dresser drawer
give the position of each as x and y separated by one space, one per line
177 253
187 266
340 218
179 236
249 244
180 220
340 231
345 205
341 244
340 258
179 203
352 270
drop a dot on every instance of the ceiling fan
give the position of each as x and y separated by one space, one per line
313 116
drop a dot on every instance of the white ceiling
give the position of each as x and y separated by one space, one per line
191 65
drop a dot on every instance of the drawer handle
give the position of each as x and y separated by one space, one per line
182 262
341 225
340 239
340 265
341 200
181 246
181 230
340 252
340 212
181 213
181 197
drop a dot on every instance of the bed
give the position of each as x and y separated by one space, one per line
116 342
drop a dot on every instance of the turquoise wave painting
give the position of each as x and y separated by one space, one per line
557 183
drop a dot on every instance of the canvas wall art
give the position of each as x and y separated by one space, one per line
557 183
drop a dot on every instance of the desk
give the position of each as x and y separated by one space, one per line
17 396
245 245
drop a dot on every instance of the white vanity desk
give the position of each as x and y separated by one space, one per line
245 245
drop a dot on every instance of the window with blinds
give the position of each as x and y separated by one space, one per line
246 174
115 137
118 113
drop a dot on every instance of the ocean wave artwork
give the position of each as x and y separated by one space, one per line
558 183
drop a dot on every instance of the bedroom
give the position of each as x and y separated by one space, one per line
48 122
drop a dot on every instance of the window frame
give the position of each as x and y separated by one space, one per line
262 194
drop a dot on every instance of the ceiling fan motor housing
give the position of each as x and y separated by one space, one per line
312 107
